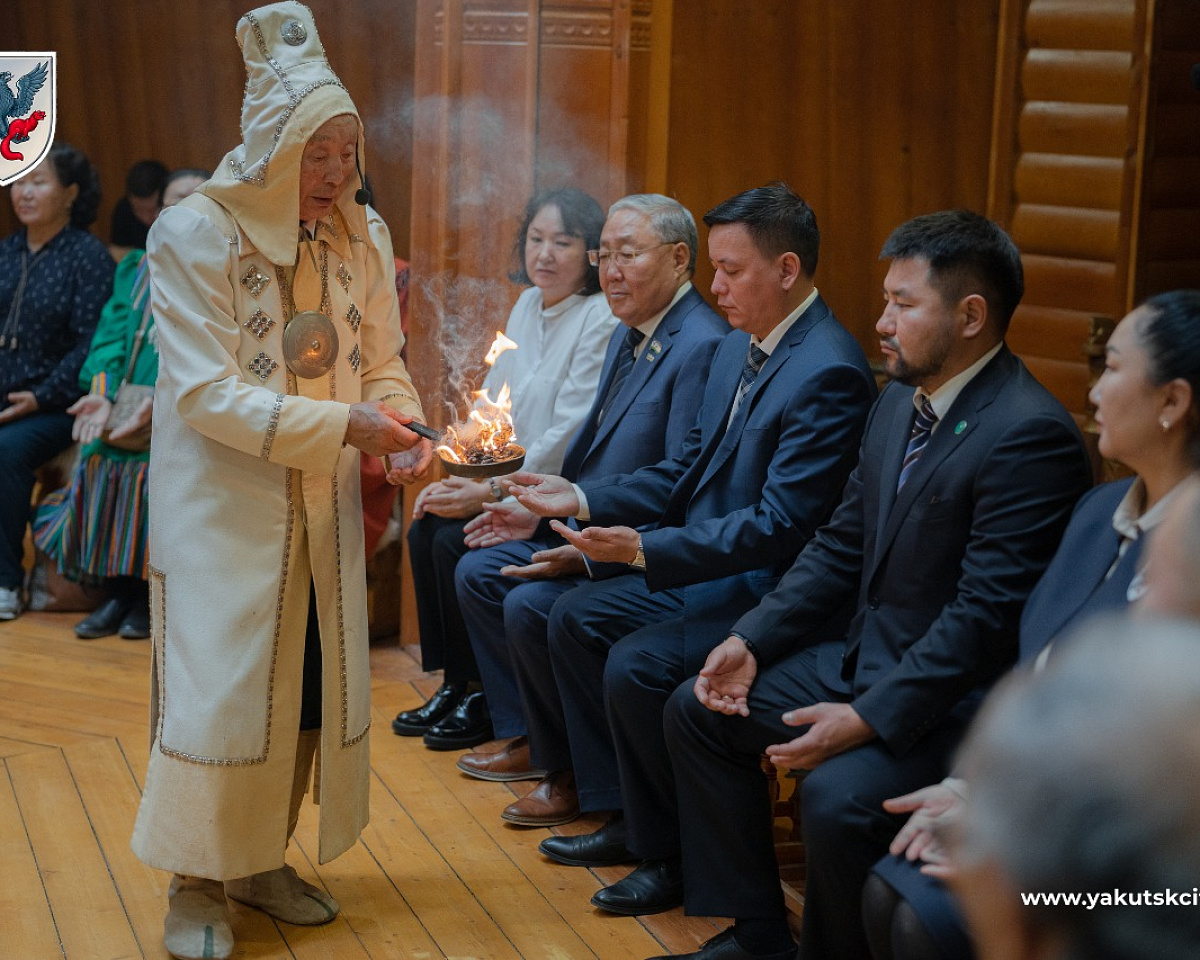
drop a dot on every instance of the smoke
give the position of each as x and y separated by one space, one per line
465 313
480 150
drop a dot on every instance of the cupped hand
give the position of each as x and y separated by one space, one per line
726 677
138 422
499 523
601 544
564 561
835 728
934 809
91 414
544 494
453 498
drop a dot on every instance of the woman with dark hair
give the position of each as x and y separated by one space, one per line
94 529
136 210
54 279
1148 413
561 325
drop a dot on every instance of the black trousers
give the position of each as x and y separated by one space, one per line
436 545
725 817
310 684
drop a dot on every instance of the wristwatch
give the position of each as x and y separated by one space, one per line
497 490
639 559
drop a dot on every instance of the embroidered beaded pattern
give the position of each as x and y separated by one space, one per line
255 281
294 99
262 366
344 278
259 324
293 33
355 358
354 317
272 426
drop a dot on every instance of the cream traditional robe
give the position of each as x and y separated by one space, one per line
253 497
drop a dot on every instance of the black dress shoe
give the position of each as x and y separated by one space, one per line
603 848
414 723
468 725
654 886
724 947
136 625
104 621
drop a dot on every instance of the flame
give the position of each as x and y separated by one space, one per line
499 345
488 430
486 433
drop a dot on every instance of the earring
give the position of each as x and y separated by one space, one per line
1166 425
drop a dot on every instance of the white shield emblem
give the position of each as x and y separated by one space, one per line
28 92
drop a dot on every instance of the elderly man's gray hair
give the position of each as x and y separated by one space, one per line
670 220
1086 778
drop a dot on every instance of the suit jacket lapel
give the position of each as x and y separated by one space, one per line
958 424
898 432
1090 568
643 368
732 436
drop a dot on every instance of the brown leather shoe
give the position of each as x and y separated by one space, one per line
553 801
510 762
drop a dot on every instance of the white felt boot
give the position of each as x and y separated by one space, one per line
280 892
197 925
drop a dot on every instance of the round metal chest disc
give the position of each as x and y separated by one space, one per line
310 344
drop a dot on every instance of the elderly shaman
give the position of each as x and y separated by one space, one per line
279 333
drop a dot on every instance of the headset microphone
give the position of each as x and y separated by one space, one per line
362 196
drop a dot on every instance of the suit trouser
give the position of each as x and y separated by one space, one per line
585 625
436 545
25 445
503 613
725 814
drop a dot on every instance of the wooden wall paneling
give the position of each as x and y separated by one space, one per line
824 95
734 118
169 86
618 97
658 96
1165 247
1064 161
640 97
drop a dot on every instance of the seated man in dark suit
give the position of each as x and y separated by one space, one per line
966 478
651 385
773 444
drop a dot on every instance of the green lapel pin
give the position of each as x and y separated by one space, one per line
960 427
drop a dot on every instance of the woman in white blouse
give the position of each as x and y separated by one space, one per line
561 325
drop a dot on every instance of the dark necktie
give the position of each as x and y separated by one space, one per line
922 427
754 361
633 337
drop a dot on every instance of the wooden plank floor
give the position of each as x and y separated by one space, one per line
437 873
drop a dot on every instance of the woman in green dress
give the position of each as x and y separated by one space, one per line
95 528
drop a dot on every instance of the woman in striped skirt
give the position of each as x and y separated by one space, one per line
95 528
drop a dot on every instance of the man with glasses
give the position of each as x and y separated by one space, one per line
652 382
771 448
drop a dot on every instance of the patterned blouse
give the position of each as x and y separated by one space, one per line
50 302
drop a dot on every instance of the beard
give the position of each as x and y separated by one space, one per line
913 370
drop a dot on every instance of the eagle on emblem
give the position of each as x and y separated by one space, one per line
14 107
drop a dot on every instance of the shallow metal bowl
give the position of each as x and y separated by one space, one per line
493 468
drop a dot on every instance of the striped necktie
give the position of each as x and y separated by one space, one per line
754 361
922 428
633 337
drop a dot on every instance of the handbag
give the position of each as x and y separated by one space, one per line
130 397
